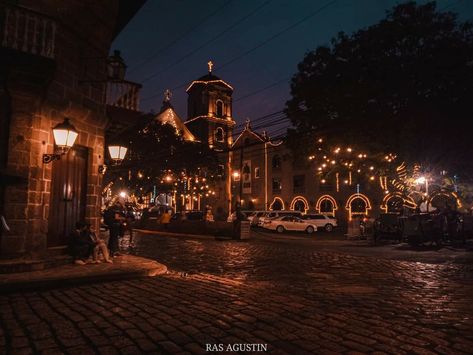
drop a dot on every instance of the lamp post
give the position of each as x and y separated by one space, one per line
65 136
420 181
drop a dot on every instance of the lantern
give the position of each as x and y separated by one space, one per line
116 67
117 153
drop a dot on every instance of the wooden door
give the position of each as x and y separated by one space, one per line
68 195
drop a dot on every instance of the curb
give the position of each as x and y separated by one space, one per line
39 283
184 235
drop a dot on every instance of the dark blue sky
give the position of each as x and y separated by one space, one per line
154 35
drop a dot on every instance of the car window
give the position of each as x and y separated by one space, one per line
286 218
316 216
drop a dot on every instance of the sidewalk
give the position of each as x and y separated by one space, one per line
123 267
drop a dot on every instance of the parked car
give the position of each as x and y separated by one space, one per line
255 216
275 214
321 221
290 223
232 217
189 216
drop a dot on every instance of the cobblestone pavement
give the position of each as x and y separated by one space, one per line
292 297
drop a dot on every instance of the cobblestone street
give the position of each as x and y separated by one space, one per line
290 296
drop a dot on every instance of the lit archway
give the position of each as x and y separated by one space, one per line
327 205
299 203
277 204
357 205
440 200
395 201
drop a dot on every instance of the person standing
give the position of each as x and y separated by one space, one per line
113 219
165 219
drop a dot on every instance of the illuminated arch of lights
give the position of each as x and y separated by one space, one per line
407 201
274 200
354 197
451 195
324 198
299 198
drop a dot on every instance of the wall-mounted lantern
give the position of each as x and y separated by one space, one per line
65 136
116 69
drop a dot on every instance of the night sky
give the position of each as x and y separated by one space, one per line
168 43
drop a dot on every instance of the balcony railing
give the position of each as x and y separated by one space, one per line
124 94
28 31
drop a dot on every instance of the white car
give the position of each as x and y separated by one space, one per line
321 221
276 214
290 223
255 217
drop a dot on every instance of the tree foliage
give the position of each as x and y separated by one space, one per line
403 85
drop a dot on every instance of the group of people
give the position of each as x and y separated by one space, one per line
85 244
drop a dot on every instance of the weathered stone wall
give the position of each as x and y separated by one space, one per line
39 102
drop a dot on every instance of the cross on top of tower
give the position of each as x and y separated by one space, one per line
167 95
247 124
210 64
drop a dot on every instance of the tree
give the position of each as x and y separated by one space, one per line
403 85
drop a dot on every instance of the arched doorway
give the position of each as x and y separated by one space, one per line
300 204
277 204
326 205
441 200
357 205
392 203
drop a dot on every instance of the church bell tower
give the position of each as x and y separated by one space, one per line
209 110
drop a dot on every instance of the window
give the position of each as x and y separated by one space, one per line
277 185
219 108
276 162
316 216
256 173
221 170
299 183
219 135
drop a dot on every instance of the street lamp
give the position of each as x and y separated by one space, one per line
117 153
423 180
65 136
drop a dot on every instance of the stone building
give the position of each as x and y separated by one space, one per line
53 67
267 176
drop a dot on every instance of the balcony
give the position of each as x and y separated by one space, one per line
27 31
123 94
